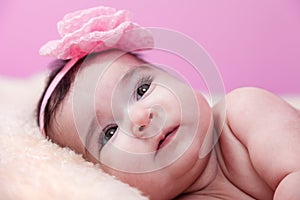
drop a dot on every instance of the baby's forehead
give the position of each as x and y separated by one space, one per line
104 69
98 65
111 58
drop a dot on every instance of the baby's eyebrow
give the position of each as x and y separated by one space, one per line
130 73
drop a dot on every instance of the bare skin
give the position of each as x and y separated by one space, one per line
270 132
256 157
261 161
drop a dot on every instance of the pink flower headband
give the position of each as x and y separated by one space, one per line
87 31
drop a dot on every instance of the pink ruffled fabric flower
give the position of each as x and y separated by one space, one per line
96 29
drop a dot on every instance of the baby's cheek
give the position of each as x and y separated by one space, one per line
203 108
126 141
169 101
129 154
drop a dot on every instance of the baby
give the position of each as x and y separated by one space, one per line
155 132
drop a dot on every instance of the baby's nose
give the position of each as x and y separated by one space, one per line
140 119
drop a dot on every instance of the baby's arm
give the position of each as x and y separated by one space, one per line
270 130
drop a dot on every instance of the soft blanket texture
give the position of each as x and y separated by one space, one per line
32 167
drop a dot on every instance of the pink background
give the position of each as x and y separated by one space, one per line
253 43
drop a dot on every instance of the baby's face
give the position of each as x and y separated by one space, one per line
141 124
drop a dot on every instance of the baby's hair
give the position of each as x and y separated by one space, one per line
59 92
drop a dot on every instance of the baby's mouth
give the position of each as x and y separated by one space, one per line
167 137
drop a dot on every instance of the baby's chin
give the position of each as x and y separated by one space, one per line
159 184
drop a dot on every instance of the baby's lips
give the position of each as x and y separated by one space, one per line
164 135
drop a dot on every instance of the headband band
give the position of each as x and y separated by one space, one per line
50 90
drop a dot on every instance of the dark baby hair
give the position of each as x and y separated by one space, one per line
60 91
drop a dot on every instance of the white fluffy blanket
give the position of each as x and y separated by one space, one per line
32 167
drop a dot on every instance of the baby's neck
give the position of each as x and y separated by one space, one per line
212 182
208 175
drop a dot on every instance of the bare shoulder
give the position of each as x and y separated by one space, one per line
251 111
268 127
251 98
251 104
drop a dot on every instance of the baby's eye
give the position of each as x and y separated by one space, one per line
141 90
143 86
108 133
